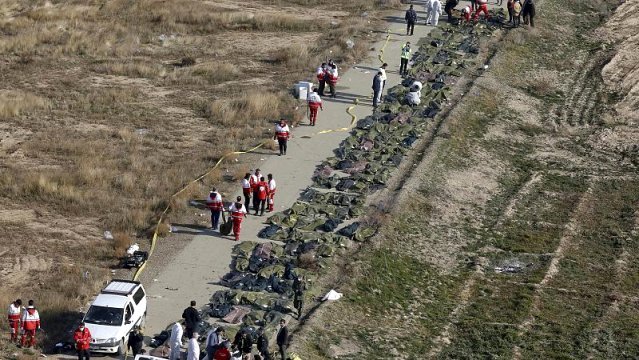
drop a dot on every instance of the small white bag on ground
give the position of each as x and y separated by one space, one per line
332 295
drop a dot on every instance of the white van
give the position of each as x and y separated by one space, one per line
119 307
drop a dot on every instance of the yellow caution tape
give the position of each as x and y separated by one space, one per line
381 51
154 239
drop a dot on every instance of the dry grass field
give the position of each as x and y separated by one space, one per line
108 107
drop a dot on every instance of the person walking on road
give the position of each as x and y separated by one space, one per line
136 340
214 202
436 12
314 104
82 339
272 187
238 213
282 339
192 319
377 89
482 6
193 350
246 187
528 12
321 80
175 342
411 19
428 7
30 322
13 315
403 67
282 134
382 69
449 7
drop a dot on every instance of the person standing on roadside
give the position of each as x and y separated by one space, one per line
314 104
262 345
214 202
192 319
436 12
255 178
403 66
238 213
510 5
246 187
282 339
516 13
321 80
411 19
332 78
13 315
175 342
213 341
377 89
282 134
82 339
529 12
449 7
382 69
193 350
272 187
262 195
30 322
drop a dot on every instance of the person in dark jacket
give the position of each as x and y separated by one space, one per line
282 339
262 345
378 84
448 8
411 19
528 12
136 340
191 319
243 342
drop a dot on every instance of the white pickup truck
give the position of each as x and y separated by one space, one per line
119 307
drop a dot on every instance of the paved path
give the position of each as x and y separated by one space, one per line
194 272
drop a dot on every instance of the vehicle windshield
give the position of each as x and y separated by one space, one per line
102 315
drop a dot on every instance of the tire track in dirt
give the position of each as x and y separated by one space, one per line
521 193
564 243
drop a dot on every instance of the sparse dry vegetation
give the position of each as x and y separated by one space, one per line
103 119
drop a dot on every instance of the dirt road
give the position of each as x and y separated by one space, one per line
194 272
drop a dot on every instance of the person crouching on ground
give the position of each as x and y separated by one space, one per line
238 213
282 134
314 104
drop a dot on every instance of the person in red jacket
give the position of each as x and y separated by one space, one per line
314 104
482 6
282 134
262 195
272 186
30 323
82 338
321 79
13 315
255 178
238 213
222 352
331 78
466 13
214 202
